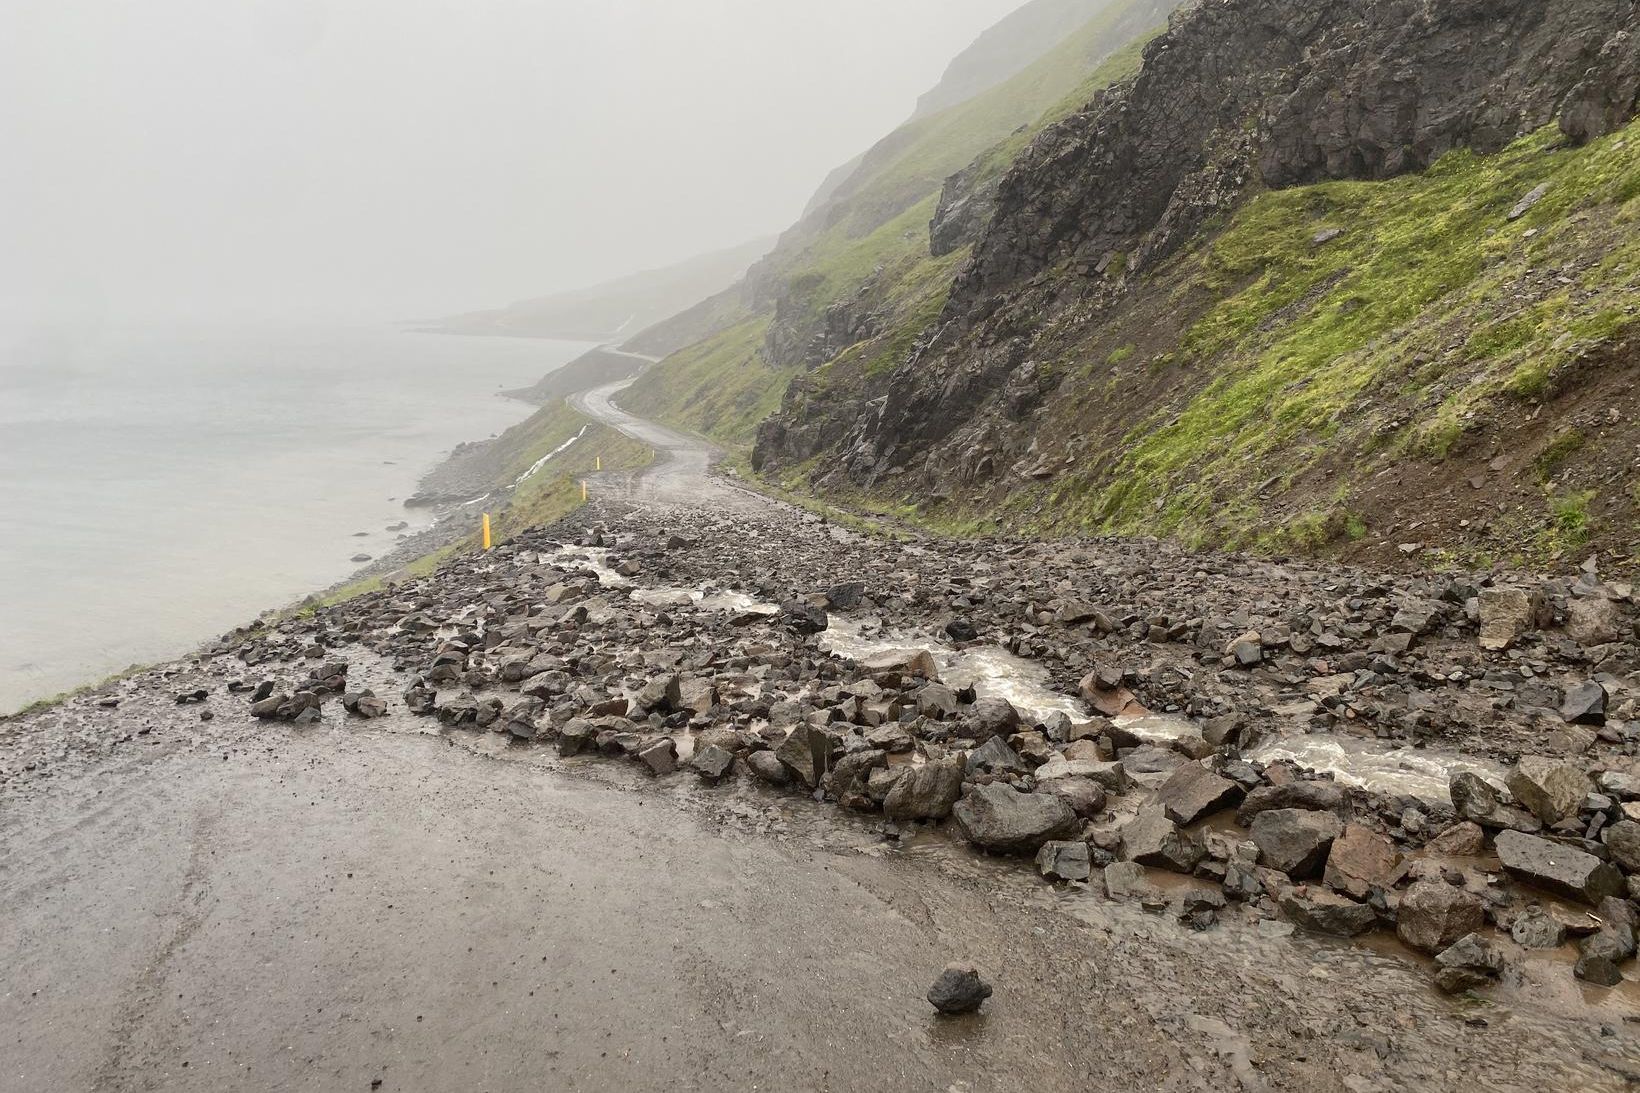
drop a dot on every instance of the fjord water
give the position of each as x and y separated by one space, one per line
160 486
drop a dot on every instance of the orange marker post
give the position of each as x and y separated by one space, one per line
486 531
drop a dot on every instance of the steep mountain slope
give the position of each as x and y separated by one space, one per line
855 282
1355 274
616 308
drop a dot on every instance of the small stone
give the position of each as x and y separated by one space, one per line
1585 704
1151 839
1193 791
1467 963
959 989
1064 860
712 763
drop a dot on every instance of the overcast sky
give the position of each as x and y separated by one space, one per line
406 158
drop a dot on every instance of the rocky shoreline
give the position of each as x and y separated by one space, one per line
779 648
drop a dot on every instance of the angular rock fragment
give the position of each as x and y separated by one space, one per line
1433 915
1557 868
998 817
1295 841
1067 860
1151 839
1193 792
959 989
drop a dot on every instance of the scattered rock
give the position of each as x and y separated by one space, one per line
959 989
1558 868
1433 915
998 817
1295 841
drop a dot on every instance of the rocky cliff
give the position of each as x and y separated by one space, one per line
1315 254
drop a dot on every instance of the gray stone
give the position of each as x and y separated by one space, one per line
1433 915
990 717
1151 839
712 763
661 756
1557 868
1476 801
1085 796
1313 796
1065 860
996 757
1000 818
959 989
1325 912
1532 929
1585 704
1623 842
1112 777
1295 841
765 767
1129 880
809 753
1193 792
1467 963
576 736
925 792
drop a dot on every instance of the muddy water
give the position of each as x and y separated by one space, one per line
1377 766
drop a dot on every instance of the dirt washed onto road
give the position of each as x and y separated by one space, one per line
690 792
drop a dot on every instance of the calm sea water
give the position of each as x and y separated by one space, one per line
161 486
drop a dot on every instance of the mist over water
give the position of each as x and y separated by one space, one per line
160 485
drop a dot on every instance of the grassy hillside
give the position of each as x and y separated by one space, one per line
867 249
1370 368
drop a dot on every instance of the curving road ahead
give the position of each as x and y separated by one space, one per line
680 473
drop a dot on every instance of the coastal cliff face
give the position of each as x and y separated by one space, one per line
1352 274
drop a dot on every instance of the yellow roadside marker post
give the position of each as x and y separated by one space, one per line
486 531
600 465
583 489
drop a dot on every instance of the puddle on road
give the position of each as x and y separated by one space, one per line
1377 766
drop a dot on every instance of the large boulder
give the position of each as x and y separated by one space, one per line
1552 789
1193 791
1295 840
925 792
1151 839
1433 915
1000 818
1361 860
1557 868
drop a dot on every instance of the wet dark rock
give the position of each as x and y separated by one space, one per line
712 763
1153 840
849 782
845 596
1585 704
1129 881
1433 915
809 752
804 618
1064 861
268 708
766 768
1476 801
959 989
990 717
1467 963
1622 841
576 737
1313 796
999 818
1193 792
191 698
926 792
364 704
1295 841
996 757
1558 868
660 756
1324 912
